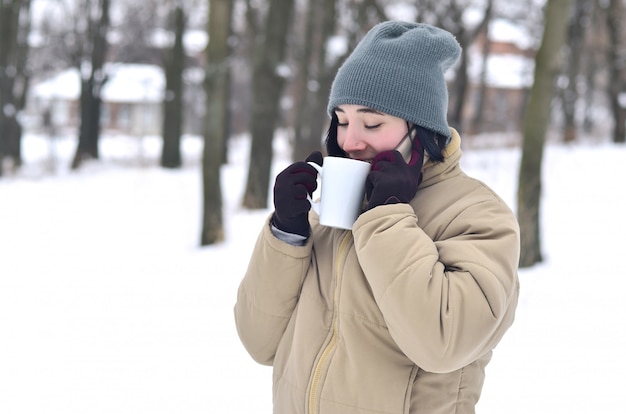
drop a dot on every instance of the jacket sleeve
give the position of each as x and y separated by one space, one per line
268 294
446 302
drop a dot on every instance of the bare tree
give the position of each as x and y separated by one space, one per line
174 63
593 65
616 58
318 68
536 120
305 83
216 129
267 87
481 92
135 32
14 78
576 33
90 61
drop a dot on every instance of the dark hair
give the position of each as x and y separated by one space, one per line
332 146
432 142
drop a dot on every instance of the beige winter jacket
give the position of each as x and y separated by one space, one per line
399 315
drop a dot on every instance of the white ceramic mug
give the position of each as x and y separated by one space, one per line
342 190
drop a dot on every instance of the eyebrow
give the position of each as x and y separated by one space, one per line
362 110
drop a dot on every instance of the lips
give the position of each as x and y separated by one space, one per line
368 160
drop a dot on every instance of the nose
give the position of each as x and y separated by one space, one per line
352 142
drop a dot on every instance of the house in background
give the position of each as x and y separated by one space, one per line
132 100
504 77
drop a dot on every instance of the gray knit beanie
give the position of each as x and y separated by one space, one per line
398 68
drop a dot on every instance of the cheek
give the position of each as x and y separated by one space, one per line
382 145
388 142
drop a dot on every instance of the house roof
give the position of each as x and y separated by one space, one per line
127 83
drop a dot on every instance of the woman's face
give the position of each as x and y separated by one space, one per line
363 132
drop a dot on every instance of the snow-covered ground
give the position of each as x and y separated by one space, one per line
108 305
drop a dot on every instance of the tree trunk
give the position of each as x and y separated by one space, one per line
590 87
535 125
174 62
617 71
460 91
91 89
575 45
314 117
14 80
215 128
479 107
267 87
305 79
90 104
8 34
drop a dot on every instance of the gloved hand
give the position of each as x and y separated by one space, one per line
291 188
391 180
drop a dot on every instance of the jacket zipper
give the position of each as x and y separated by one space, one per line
324 357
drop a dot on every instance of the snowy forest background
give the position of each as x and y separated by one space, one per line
137 158
216 69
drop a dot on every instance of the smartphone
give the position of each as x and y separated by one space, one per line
405 147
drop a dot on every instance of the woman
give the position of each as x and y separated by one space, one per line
400 314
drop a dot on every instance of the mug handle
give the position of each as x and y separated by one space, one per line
315 205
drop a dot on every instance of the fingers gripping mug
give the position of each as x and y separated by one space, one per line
342 183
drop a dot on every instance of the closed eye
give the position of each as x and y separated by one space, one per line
372 126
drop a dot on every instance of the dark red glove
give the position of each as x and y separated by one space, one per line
391 180
292 185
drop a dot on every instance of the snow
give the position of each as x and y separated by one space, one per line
64 85
503 30
108 304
